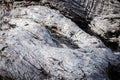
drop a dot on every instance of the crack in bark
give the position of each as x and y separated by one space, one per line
61 39
4 48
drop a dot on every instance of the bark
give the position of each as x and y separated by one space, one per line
78 9
103 15
38 43
108 27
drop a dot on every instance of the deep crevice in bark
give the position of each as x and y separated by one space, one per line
5 78
114 72
48 75
118 0
61 39
112 45
113 34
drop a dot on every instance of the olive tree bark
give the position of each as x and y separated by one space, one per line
102 15
38 43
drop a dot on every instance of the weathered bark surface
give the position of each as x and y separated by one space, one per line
108 27
85 8
106 13
82 9
38 43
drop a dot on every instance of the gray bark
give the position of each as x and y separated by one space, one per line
103 15
108 27
38 43
78 9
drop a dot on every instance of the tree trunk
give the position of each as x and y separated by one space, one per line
38 43
106 13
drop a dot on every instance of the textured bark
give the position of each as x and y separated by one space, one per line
78 9
108 27
38 43
82 11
